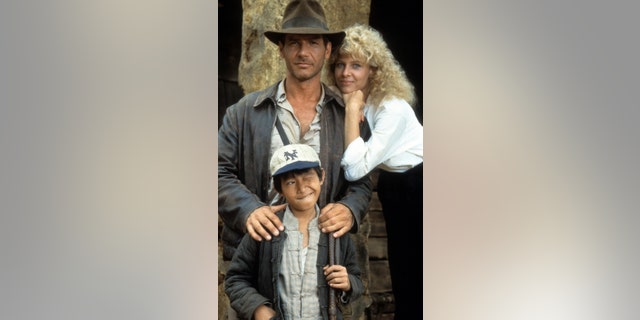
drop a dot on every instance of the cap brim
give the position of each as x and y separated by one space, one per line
335 37
297 166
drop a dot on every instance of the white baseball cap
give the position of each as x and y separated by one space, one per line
293 157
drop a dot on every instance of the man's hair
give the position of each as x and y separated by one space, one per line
277 179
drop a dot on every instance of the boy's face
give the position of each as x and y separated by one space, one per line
302 190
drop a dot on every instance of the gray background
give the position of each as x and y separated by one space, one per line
108 122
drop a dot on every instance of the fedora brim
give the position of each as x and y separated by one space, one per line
335 37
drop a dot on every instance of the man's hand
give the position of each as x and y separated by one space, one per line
336 218
263 222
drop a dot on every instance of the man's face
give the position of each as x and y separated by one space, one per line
304 55
302 189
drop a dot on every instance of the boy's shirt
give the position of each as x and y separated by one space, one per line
298 278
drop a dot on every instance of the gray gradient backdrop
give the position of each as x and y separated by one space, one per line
108 132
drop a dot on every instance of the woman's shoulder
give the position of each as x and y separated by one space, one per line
394 105
395 102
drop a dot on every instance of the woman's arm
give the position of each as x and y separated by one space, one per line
388 138
354 105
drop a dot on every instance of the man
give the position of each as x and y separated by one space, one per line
307 112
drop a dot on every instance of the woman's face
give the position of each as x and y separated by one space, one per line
351 74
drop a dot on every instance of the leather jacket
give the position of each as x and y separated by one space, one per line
244 142
252 277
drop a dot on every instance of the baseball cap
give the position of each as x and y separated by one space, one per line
293 157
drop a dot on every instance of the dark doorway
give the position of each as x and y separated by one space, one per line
229 51
401 27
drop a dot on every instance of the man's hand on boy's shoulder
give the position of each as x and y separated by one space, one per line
263 222
336 218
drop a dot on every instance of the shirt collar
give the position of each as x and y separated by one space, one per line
281 95
290 221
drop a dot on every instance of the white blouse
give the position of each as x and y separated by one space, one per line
395 144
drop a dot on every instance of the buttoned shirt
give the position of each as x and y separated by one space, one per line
395 144
298 277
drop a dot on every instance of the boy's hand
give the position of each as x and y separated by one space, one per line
263 222
336 218
263 313
337 277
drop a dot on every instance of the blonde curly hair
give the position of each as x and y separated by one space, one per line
388 80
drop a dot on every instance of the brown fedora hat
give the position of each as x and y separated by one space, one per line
305 17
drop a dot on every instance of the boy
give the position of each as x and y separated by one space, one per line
289 276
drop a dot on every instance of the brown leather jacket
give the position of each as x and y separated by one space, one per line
244 140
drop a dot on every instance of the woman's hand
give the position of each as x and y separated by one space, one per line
354 104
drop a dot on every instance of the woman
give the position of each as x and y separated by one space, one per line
374 86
